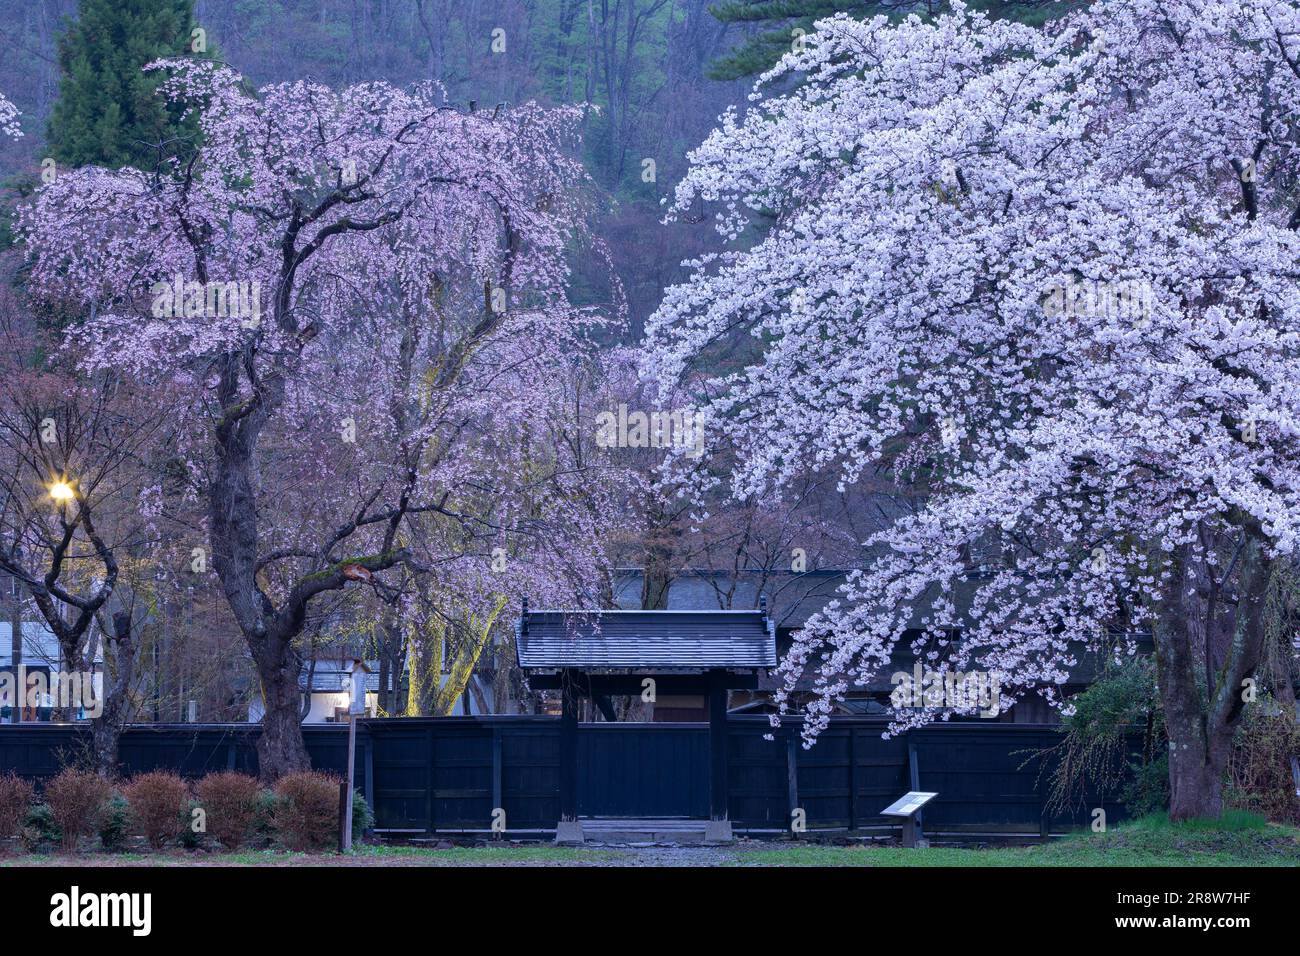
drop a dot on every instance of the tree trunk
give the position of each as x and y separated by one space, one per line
1201 722
280 748
106 729
391 651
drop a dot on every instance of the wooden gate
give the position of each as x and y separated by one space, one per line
643 770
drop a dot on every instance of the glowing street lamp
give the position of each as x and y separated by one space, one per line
62 492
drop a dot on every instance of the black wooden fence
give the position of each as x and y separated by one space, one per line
427 775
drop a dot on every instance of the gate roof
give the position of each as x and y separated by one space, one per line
645 641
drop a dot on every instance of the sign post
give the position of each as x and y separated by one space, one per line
907 807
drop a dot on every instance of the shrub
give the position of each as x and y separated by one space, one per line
307 810
264 819
39 831
117 824
362 817
188 837
230 801
1113 745
15 799
1259 768
78 800
158 803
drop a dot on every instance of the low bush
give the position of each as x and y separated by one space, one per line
159 801
1259 769
78 800
363 818
39 832
264 820
307 811
116 828
189 837
230 803
15 799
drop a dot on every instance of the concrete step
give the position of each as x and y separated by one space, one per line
650 830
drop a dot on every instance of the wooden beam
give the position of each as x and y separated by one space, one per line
718 745
569 751
853 779
914 774
496 771
791 774
630 684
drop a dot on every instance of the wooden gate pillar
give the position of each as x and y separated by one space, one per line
568 830
718 829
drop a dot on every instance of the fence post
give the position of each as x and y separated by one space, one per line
429 776
496 772
853 779
791 775
914 772
344 835
370 770
1044 823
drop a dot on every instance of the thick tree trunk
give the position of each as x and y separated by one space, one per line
1201 721
1195 786
280 748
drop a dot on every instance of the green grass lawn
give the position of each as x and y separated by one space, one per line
1239 839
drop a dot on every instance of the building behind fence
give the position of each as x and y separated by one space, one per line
444 775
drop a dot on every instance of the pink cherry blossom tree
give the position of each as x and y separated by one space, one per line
1055 271
363 292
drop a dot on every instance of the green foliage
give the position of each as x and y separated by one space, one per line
1097 756
108 113
1232 821
264 818
40 832
762 50
363 818
188 837
116 827
1147 791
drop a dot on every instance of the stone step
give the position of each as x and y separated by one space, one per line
646 830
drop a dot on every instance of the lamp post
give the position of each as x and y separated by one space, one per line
62 491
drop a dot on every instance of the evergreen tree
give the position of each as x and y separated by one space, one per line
785 17
107 113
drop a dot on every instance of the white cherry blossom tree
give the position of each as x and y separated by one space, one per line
1055 271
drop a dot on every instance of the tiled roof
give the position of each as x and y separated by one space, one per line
794 596
646 640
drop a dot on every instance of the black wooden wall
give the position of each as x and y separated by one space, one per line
426 775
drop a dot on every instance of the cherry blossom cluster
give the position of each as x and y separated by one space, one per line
899 205
414 330
9 118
